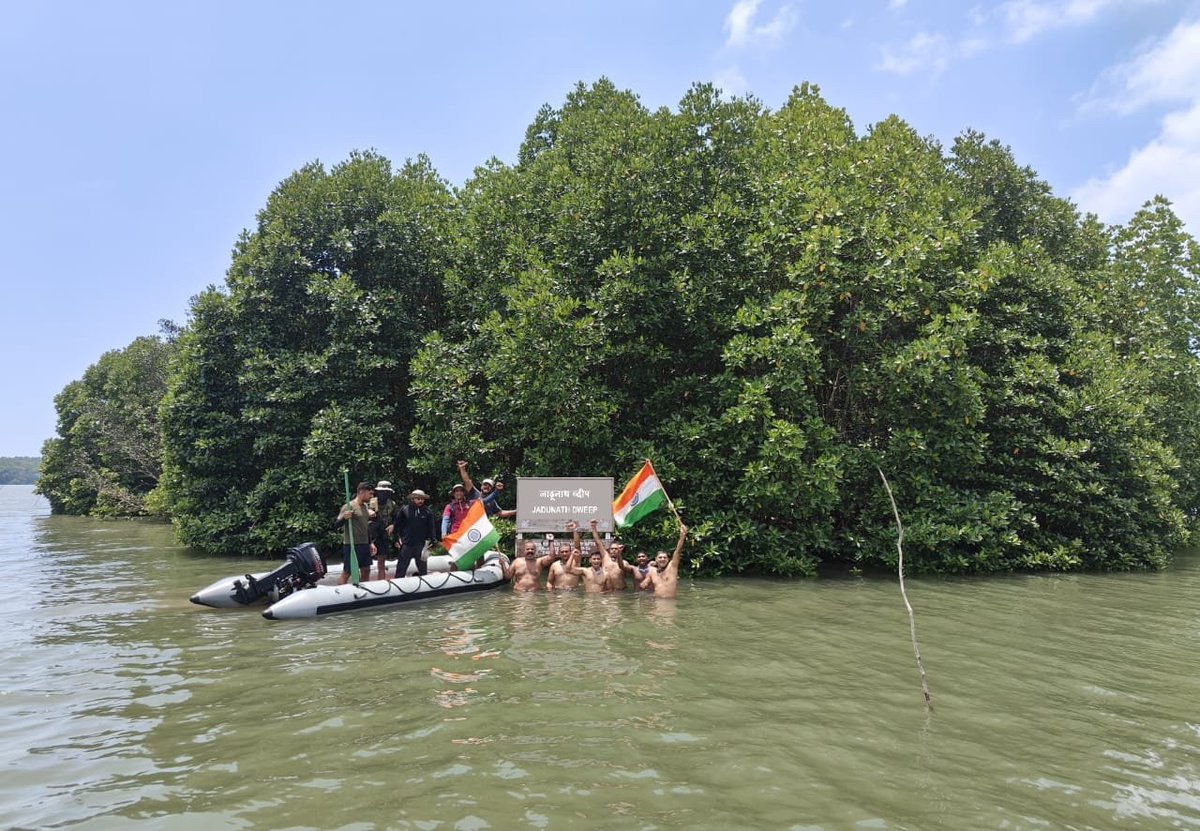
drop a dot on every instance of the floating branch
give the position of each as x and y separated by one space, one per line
912 623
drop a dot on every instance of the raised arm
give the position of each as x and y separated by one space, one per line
466 478
572 566
596 536
604 555
674 564
511 512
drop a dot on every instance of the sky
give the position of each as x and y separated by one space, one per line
142 137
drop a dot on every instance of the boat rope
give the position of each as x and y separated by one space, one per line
422 581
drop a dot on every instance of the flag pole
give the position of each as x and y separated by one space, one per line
670 504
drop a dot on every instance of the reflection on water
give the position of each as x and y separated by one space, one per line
1061 702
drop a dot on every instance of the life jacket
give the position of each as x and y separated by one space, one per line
457 511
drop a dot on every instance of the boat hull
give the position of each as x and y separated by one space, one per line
225 594
319 601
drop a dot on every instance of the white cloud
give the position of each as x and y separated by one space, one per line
1026 19
1168 165
1166 73
923 51
1012 21
743 31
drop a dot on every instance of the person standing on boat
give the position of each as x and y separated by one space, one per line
461 497
663 579
356 516
383 509
415 527
489 492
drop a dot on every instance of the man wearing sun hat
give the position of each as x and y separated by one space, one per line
415 525
383 509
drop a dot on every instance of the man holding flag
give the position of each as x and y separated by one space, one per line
474 537
642 496
664 577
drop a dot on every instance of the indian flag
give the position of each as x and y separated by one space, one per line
643 495
474 537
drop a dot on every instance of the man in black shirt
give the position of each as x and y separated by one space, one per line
415 526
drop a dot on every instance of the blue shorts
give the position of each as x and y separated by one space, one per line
363 550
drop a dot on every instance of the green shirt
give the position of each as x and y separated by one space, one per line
360 524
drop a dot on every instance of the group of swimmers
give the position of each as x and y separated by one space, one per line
374 524
607 567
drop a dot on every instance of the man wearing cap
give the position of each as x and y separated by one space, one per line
414 526
355 517
461 497
489 491
383 509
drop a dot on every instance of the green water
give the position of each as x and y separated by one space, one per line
1060 702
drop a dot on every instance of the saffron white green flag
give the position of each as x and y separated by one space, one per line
474 537
643 495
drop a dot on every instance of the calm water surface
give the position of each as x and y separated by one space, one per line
1061 702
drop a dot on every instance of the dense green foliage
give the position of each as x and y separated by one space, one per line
772 307
300 366
19 470
769 305
106 459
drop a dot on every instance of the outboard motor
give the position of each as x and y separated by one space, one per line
303 568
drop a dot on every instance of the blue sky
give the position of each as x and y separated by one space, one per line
142 137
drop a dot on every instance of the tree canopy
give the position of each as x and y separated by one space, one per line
107 457
770 305
300 364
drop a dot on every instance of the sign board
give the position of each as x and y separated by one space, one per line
548 504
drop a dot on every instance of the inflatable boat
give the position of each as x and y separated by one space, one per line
374 594
303 568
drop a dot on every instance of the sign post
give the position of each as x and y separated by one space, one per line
547 504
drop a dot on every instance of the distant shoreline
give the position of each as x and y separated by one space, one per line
19 470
